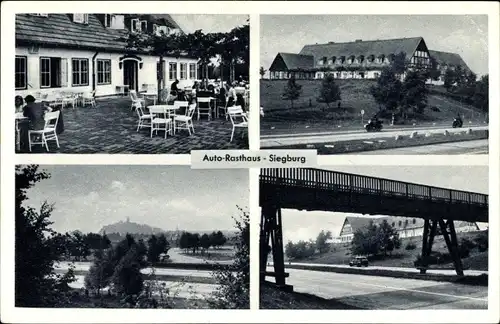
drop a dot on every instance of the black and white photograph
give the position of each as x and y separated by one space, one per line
117 236
375 84
374 237
131 83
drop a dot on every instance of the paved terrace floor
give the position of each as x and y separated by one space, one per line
112 128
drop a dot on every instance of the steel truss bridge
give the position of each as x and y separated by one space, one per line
322 190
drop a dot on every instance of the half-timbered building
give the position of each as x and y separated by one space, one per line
356 60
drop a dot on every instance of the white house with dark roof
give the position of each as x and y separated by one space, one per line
86 52
405 226
356 60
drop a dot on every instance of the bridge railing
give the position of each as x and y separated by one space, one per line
340 181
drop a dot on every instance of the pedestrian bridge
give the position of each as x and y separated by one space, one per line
323 190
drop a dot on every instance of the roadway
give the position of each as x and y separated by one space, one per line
181 288
350 135
465 147
386 293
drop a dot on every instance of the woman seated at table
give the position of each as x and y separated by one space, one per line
35 112
19 102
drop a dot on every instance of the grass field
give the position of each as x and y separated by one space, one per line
343 147
356 97
273 298
341 254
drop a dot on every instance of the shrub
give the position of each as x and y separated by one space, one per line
410 246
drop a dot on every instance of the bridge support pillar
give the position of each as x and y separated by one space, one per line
271 240
447 229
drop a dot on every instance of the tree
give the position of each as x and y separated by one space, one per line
37 248
387 91
434 72
329 91
321 241
153 251
163 245
449 79
480 98
160 45
262 72
233 284
205 242
414 91
375 240
127 278
292 90
399 64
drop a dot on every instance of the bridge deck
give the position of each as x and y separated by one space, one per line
338 182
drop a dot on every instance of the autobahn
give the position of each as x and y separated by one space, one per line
387 293
348 135
465 147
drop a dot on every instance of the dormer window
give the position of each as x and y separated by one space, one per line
81 18
160 30
139 25
350 60
107 20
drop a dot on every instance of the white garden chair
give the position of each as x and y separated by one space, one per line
70 98
144 119
89 99
160 120
135 99
206 109
238 119
186 121
48 132
178 104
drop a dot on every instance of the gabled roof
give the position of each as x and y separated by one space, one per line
358 223
446 58
292 62
365 48
60 30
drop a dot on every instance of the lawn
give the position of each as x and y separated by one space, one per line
343 147
341 254
274 298
355 96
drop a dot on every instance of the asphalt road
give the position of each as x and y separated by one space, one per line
314 138
372 292
176 288
181 289
466 147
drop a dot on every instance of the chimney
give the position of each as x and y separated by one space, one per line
331 42
358 40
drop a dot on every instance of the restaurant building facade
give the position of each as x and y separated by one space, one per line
86 52
359 59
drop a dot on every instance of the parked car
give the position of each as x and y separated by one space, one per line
359 261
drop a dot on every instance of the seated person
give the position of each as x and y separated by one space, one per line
19 102
35 113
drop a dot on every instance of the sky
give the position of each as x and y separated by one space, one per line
209 23
461 34
303 225
90 196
